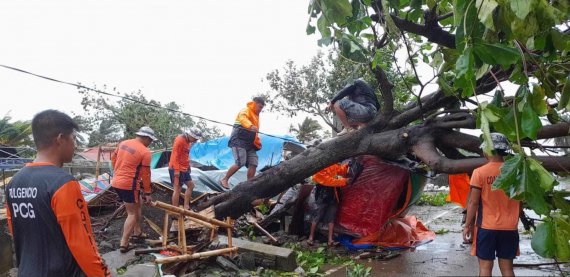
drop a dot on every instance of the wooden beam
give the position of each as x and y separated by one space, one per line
281 258
195 256
153 226
167 207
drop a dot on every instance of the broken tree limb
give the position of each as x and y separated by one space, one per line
420 140
179 210
265 232
195 256
251 219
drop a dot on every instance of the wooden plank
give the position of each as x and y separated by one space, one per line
182 232
195 256
189 213
153 226
284 257
165 231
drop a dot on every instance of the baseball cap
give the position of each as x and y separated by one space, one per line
499 140
195 133
146 131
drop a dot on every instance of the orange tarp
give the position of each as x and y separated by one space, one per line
458 189
399 232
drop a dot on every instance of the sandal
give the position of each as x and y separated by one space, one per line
226 187
332 244
125 248
310 242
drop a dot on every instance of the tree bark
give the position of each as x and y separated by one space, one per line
419 140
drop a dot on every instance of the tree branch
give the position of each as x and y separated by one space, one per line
386 91
431 31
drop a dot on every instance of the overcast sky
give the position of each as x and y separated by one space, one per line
208 56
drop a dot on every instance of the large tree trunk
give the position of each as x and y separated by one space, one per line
389 145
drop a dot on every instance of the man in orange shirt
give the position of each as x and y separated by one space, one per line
179 166
131 166
47 214
244 140
327 197
492 217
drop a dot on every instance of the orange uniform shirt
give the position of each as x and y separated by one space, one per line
496 210
332 176
246 118
180 157
131 165
49 221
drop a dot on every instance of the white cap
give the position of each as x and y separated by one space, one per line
146 131
195 133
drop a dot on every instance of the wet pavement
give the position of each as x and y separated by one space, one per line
448 256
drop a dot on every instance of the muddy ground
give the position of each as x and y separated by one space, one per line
446 256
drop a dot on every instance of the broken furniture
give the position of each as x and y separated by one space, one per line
190 253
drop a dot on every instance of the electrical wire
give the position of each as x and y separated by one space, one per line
136 101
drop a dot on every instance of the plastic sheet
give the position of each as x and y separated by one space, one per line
204 181
217 153
369 203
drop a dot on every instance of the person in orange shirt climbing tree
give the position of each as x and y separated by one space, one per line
47 214
244 140
327 198
492 217
131 166
179 166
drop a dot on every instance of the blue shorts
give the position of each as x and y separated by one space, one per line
127 195
504 244
182 179
357 112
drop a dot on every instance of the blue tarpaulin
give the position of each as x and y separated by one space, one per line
217 153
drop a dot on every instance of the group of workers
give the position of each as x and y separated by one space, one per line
50 224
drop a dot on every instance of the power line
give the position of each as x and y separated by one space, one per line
134 100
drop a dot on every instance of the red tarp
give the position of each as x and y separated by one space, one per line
400 232
369 202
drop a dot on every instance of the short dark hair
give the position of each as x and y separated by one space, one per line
501 152
49 124
259 100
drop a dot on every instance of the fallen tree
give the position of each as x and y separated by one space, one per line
472 47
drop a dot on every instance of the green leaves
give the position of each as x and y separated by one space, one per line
465 77
551 238
565 96
323 26
523 178
543 242
521 8
336 10
496 53
485 14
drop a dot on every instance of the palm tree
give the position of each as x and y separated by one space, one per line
18 133
306 130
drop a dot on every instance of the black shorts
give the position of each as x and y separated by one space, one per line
325 213
128 196
184 177
504 244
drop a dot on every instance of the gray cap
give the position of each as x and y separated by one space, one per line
146 131
499 140
195 133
